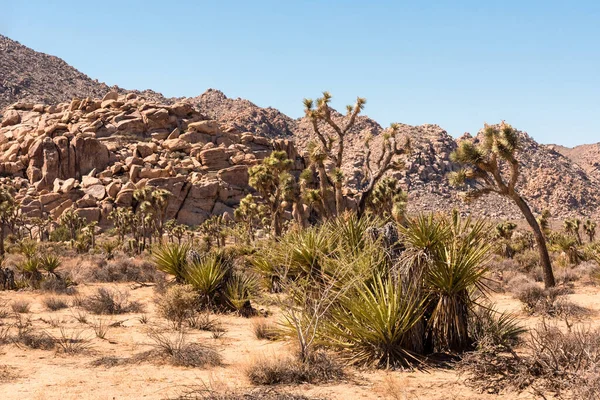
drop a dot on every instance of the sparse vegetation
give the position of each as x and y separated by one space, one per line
107 301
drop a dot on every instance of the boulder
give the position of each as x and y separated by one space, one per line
199 203
210 126
145 149
176 145
124 198
215 159
86 201
96 191
236 175
112 95
90 153
91 214
12 117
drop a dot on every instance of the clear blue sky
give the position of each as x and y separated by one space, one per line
458 64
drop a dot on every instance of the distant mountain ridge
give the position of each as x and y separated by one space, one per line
565 181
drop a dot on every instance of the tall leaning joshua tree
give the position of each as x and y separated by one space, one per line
483 162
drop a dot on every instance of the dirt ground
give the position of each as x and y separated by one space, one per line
40 374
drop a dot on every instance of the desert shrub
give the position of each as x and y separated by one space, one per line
57 286
178 351
55 303
371 326
490 328
21 306
565 363
203 392
203 322
36 340
124 269
239 290
71 342
530 294
265 330
321 367
105 301
27 336
60 234
100 327
528 260
549 302
178 304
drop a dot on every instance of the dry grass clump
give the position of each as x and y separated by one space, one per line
175 348
321 367
563 362
55 303
205 393
21 306
178 304
265 330
57 286
548 302
121 269
26 336
106 301
72 342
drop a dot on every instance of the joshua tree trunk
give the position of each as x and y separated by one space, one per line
339 198
539 239
1 239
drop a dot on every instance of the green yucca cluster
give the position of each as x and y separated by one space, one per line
346 292
212 275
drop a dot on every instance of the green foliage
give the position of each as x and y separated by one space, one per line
490 328
239 290
274 183
207 276
388 199
371 325
60 234
589 227
171 258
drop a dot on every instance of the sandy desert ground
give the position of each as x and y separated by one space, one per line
38 374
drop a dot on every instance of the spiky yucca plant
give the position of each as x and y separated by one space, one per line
458 269
371 325
239 290
207 276
49 263
171 258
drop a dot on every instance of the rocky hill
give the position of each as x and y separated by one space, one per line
587 156
65 134
28 75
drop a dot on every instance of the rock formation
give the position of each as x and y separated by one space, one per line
92 154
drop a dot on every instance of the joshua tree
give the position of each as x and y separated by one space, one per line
122 219
505 232
483 160
9 210
544 222
571 226
274 183
589 227
250 214
330 149
388 199
151 211
72 221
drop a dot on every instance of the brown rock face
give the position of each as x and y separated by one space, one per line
236 175
90 154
